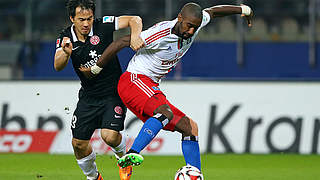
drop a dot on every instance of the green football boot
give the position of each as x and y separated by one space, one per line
131 159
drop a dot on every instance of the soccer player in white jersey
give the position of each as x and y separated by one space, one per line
165 44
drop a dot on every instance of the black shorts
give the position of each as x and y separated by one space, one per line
97 113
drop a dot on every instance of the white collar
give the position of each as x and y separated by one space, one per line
74 36
173 23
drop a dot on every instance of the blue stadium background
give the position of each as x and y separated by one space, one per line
281 45
209 60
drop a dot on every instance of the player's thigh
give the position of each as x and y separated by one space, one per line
135 91
158 104
177 116
114 114
85 119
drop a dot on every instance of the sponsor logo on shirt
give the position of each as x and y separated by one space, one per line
170 62
75 48
95 57
156 88
58 43
107 19
116 116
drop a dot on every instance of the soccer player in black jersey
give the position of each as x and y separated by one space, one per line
99 104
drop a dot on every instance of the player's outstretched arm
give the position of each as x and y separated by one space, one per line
106 56
63 54
135 24
112 50
226 10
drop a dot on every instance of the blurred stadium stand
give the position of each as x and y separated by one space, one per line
277 47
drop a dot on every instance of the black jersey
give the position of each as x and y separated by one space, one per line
87 54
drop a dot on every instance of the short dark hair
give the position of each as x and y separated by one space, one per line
192 9
84 4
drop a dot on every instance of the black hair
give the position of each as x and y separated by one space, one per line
84 4
191 9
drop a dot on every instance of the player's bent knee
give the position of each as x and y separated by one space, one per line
111 137
80 145
162 118
194 128
112 141
188 126
165 110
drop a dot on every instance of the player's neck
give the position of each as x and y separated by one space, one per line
80 36
174 30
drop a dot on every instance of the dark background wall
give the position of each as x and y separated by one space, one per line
213 60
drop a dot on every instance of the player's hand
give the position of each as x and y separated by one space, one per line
66 45
136 43
87 72
248 17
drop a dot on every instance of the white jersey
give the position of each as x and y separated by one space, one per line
163 49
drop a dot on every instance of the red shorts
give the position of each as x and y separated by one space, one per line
142 96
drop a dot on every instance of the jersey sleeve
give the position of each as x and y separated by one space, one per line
109 22
60 38
107 25
153 35
205 18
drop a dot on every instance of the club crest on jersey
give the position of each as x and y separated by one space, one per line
94 40
118 110
107 19
58 43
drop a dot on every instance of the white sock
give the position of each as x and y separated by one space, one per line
121 148
88 166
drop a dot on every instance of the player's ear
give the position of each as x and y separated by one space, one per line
179 17
71 19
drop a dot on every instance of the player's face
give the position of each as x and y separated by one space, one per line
82 21
188 26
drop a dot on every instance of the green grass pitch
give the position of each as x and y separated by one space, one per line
214 167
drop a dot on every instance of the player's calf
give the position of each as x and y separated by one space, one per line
191 151
149 130
189 143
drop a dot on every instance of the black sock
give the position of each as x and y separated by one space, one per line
132 151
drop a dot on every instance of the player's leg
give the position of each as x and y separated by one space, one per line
112 123
115 140
85 158
113 116
162 116
189 130
151 127
84 122
142 96
190 146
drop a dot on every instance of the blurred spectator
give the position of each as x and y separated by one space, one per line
275 20
259 32
290 29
